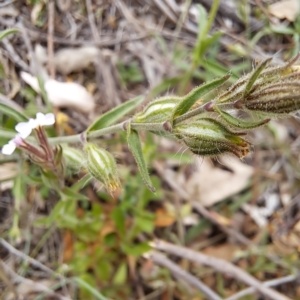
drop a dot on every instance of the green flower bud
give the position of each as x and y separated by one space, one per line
208 137
269 90
275 100
74 158
157 111
102 166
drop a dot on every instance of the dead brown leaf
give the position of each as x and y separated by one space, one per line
285 9
210 184
163 218
225 251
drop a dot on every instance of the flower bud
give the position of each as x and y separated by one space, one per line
158 111
208 137
102 166
74 158
275 100
267 89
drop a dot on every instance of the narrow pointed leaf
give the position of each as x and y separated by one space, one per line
135 147
191 98
239 123
202 24
116 114
13 113
255 75
6 32
88 287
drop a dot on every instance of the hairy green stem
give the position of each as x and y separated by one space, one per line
211 16
200 110
109 130
120 127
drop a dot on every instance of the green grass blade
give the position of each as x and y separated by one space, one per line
91 289
11 112
7 32
116 114
202 24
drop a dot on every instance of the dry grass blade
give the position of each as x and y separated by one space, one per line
178 272
269 283
219 265
29 259
32 285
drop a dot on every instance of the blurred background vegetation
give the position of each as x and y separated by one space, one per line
86 244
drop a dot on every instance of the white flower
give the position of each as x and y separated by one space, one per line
11 146
25 128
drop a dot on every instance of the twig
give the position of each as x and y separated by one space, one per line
102 67
269 283
219 265
51 11
29 259
36 286
41 36
178 272
32 57
13 55
5 100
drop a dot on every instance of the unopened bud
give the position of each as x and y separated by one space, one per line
102 166
158 111
275 101
74 158
208 137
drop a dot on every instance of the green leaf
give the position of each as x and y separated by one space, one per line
255 75
82 182
6 32
190 99
88 287
116 114
198 51
118 215
136 250
11 112
211 40
121 274
239 123
69 193
135 147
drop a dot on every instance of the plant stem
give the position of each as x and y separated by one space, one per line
211 16
112 129
201 109
119 127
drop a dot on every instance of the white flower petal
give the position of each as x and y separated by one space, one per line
40 117
9 148
49 119
45 120
24 128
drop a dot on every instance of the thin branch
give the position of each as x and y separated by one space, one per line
51 12
5 100
29 259
219 265
251 290
13 55
36 286
178 272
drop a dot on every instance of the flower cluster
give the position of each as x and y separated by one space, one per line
24 129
